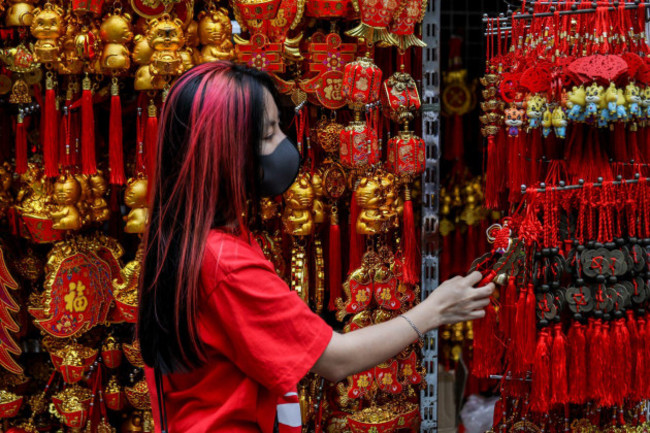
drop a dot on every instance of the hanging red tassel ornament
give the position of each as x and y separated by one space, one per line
21 144
603 341
88 160
115 152
577 363
488 350
641 372
334 259
620 364
541 386
527 323
633 331
411 275
151 138
50 129
560 392
356 240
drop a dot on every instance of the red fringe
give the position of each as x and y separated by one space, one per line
88 160
619 362
50 135
21 146
560 392
445 258
488 350
642 358
151 140
516 359
508 309
528 342
577 363
115 152
410 271
492 172
356 249
594 352
334 264
603 345
633 330
541 386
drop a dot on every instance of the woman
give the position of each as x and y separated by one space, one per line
225 331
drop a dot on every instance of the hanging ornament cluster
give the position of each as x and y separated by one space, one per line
565 122
81 87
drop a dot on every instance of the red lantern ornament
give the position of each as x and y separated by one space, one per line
376 16
359 146
10 404
400 96
361 83
406 157
82 7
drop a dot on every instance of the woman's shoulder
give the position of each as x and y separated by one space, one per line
226 253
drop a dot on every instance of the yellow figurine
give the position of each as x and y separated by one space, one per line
142 53
297 219
369 200
388 208
633 99
319 210
269 209
165 37
559 122
65 215
47 27
99 211
33 196
215 31
115 32
6 180
69 62
135 197
20 13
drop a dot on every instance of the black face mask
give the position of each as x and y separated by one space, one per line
279 168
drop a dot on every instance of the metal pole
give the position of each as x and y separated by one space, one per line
430 189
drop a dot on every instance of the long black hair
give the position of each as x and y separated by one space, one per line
206 175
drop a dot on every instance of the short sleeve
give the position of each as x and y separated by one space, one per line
273 335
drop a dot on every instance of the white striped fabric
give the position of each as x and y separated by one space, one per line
289 419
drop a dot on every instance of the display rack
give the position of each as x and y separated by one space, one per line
430 189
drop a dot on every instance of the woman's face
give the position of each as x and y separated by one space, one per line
273 135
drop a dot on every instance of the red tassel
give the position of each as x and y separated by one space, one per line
642 359
528 342
115 153
21 145
541 386
445 257
603 341
619 362
50 131
493 172
633 331
487 347
334 261
151 139
410 272
560 392
508 309
355 239
88 160
577 363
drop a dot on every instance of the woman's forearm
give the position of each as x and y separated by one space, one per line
454 301
356 351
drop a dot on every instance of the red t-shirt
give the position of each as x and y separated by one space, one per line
260 339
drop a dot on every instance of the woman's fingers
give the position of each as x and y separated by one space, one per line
473 278
483 292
